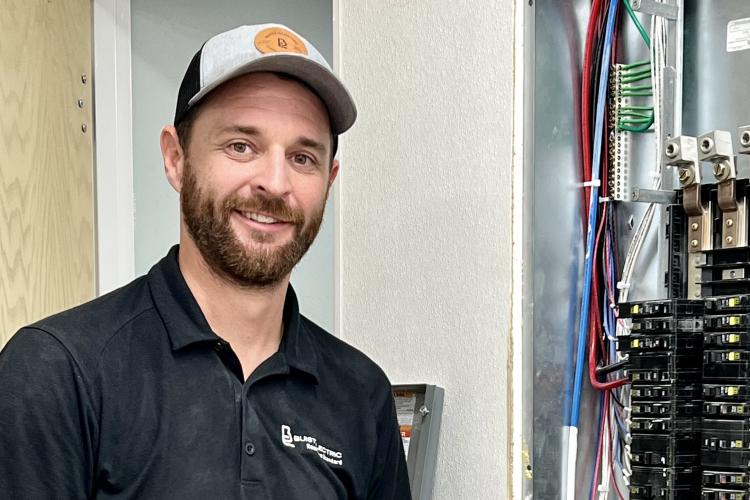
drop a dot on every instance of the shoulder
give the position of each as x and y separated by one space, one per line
84 331
342 361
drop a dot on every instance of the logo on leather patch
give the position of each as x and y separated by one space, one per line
279 40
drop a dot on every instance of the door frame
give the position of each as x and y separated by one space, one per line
113 144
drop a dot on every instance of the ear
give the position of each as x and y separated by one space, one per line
174 156
333 173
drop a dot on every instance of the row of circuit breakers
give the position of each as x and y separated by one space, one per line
689 355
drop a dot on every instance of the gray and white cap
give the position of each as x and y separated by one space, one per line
264 47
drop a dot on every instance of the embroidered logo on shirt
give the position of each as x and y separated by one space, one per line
291 440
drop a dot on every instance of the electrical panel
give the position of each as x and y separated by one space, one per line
642 274
689 356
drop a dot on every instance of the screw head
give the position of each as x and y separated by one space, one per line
732 274
84 128
694 243
684 175
672 150
745 139
729 239
694 226
80 103
730 222
84 78
719 169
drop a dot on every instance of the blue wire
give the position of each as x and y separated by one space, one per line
593 210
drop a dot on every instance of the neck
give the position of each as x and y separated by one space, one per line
249 319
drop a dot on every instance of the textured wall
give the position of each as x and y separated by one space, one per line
425 215
165 35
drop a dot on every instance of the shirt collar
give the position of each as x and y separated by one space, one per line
187 325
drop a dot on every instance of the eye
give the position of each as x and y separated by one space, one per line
240 147
303 160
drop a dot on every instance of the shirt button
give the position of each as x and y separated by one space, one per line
250 448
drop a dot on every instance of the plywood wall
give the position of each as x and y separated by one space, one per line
46 167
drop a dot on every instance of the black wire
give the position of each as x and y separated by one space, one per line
596 69
616 400
603 370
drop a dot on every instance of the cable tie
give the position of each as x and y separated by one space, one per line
623 285
604 199
594 183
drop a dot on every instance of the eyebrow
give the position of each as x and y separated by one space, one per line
241 129
254 131
312 144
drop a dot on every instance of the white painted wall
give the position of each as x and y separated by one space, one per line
165 35
425 215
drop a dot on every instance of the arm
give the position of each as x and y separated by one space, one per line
390 480
46 424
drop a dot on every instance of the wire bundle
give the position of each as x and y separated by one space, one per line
598 325
631 117
590 322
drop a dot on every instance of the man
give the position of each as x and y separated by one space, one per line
201 380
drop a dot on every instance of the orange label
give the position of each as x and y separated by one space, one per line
279 40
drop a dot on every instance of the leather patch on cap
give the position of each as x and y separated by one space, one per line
279 40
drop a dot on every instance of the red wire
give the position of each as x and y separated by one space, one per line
593 24
595 325
596 6
595 331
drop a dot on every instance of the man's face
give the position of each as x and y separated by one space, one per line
256 177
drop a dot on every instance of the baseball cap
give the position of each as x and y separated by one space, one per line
264 47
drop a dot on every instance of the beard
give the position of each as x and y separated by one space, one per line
247 265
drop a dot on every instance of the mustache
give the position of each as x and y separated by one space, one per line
273 206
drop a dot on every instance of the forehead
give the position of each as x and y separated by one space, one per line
279 95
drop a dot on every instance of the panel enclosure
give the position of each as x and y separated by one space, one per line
420 409
713 81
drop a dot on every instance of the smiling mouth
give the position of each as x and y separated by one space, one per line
261 218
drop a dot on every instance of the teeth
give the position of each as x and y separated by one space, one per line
259 217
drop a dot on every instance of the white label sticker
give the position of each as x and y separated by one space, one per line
738 35
406 403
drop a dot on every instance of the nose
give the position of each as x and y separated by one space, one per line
270 175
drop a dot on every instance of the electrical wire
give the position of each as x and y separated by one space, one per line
589 257
637 22
657 64
603 404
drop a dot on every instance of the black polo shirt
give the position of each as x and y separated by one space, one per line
133 396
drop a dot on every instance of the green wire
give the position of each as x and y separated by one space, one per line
636 79
638 108
636 64
637 23
635 113
638 129
631 74
635 94
637 120
636 87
